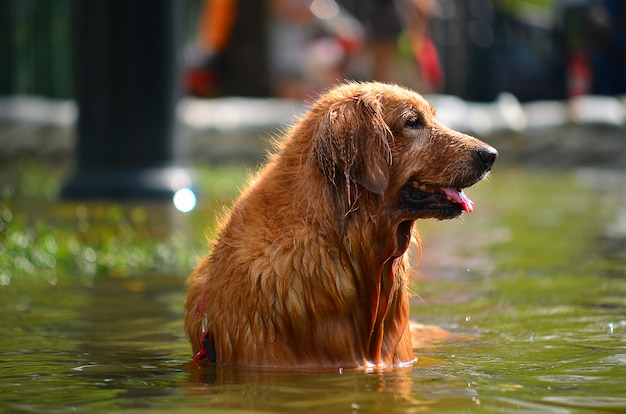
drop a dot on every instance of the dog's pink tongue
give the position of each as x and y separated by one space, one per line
458 196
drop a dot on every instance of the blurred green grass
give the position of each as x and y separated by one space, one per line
43 238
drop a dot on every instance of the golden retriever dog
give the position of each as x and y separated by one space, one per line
310 268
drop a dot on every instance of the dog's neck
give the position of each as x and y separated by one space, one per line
380 272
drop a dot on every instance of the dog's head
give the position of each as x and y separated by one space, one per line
384 142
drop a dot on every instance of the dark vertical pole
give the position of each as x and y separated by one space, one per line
126 69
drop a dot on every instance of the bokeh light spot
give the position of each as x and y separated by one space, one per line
184 200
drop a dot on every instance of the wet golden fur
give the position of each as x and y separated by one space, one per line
310 268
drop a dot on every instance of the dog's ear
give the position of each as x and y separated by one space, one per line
352 144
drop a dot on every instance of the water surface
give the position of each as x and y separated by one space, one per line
532 286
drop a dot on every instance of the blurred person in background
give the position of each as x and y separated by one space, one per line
594 36
228 56
417 15
291 27
607 46
215 26
310 43
306 44
382 25
300 47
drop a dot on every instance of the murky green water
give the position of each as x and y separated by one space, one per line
532 285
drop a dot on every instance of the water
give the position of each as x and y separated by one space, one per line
532 286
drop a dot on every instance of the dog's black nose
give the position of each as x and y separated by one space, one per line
487 155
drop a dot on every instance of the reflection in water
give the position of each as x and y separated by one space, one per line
530 284
274 390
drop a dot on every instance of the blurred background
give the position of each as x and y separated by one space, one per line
219 74
475 49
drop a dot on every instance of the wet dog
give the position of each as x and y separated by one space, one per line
310 267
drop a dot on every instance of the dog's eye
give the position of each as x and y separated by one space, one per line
413 122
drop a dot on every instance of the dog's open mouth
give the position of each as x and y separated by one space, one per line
441 202
455 195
